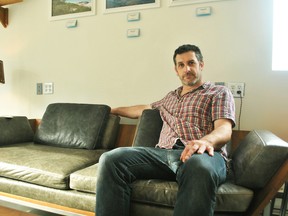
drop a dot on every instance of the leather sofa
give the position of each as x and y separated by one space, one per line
58 164
49 164
258 164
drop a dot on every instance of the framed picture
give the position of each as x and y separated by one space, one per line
186 2
2 78
113 6
66 9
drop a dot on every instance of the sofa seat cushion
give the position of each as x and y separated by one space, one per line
84 179
229 197
232 197
44 165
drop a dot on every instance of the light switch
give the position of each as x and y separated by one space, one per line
39 89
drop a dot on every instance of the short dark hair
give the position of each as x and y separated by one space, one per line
187 48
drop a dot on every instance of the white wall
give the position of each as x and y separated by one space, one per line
97 63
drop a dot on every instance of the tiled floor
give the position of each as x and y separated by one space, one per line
277 207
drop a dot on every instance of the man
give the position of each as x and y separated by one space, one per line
197 122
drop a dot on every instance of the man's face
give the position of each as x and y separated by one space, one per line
188 69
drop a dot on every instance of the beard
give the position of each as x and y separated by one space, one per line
190 79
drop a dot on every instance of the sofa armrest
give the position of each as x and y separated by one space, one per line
258 158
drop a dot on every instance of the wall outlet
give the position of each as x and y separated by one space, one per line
237 89
48 88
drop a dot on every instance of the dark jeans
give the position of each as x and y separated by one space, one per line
198 179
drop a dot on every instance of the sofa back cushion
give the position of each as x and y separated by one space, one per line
15 129
148 129
73 125
257 158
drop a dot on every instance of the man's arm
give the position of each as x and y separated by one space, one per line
131 111
215 140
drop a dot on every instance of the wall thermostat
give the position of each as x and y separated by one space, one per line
133 32
203 11
131 17
71 24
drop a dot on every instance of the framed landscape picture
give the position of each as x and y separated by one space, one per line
113 6
65 9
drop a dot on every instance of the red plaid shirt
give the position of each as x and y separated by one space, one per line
191 116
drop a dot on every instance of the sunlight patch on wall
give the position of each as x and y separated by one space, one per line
280 35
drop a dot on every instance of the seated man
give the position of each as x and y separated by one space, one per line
197 123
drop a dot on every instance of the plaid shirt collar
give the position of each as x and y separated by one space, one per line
203 86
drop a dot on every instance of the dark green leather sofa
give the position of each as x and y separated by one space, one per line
47 165
58 163
254 166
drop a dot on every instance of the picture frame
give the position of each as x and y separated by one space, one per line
68 9
187 2
114 6
2 78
